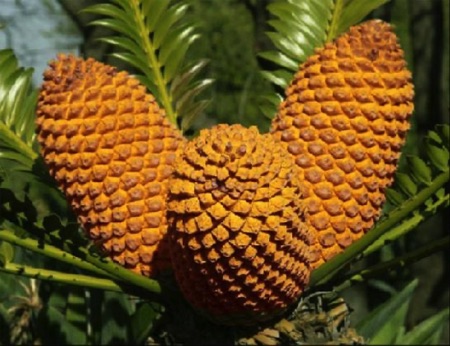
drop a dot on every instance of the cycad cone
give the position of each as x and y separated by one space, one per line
111 151
344 120
238 246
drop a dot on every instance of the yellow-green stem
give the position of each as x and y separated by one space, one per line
103 264
58 277
124 274
166 99
50 251
337 12
328 270
404 227
398 262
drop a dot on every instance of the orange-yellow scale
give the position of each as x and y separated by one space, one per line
111 150
238 245
344 121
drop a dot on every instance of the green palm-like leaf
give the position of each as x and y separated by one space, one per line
420 171
386 324
418 193
186 103
76 313
154 38
383 324
427 332
143 320
302 26
17 103
419 174
60 319
350 12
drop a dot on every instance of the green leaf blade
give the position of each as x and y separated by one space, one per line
153 10
382 324
156 36
353 12
17 104
6 253
180 81
106 10
116 25
166 22
143 321
394 197
406 184
280 59
427 331
419 169
437 153
127 44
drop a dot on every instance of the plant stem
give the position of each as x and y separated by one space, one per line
328 270
403 228
402 261
59 277
50 251
166 100
83 259
337 11
124 274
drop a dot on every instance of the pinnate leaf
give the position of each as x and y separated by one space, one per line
354 11
154 37
17 103
382 324
302 26
427 332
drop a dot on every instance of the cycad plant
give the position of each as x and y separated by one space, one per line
124 220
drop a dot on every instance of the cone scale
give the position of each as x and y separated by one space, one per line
344 121
242 218
111 150
238 246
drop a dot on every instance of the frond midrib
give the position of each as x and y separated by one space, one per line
165 97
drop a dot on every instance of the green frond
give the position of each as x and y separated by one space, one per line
76 313
58 239
427 332
154 37
186 104
302 26
379 270
420 172
386 325
350 12
299 27
143 320
17 103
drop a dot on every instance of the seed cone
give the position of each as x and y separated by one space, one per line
344 120
238 246
111 150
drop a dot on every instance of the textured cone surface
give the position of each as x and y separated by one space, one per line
238 247
111 150
344 119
